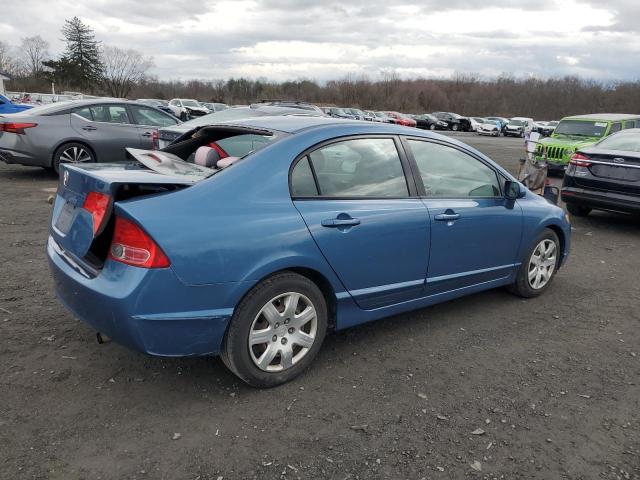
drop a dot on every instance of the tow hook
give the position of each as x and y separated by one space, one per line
102 339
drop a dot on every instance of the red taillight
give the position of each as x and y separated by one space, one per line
16 127
131 245
97 205
580 160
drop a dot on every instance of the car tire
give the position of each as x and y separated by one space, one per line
454 127
539 263
258 334
183 116
71 152
578 210
432 127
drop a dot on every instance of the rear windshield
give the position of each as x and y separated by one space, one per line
48 109
628 141
517 123
581 128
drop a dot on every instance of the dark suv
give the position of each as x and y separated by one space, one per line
605 176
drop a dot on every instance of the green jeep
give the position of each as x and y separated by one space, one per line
573 133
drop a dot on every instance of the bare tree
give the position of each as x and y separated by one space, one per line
7 60
123 70
33 51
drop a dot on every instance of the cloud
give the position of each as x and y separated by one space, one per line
288 39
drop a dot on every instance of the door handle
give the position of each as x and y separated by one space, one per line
89 128
447 217
340 222
147 134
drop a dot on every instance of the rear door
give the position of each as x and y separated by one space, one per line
364 216
147 121
475 232
108 128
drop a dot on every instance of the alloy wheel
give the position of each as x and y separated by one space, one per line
283 332
542 264
75 154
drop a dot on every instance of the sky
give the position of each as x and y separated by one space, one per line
322 40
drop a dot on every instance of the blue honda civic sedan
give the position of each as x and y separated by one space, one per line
253 239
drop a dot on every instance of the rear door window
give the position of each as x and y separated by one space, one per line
84 112
357 168
629 124
110 114
615 127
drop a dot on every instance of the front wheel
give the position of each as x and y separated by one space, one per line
432 127
454 127
539 268
276 330
578 210
71 153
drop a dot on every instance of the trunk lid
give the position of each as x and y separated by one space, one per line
72 225
616 171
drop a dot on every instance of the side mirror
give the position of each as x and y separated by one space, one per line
512 190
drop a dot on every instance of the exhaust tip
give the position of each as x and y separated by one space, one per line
102 339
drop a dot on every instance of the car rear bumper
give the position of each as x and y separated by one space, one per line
143 309
20 158
601 200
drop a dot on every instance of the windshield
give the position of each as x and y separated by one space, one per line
581 128
628 141
516 123
190 103
338 111
552 124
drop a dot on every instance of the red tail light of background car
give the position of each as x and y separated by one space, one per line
16 127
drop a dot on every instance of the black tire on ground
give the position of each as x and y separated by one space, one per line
432 126
454 127
578 210
235 349
183 116
71 148
522 287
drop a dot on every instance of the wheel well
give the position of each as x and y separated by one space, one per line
81 142
558 231
322 283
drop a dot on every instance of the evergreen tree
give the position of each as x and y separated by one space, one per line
81 58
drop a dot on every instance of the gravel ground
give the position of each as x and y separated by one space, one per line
489 386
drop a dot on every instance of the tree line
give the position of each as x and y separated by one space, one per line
86 65
91 67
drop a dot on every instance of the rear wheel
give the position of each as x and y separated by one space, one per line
276 330
539 268
454 127
578 210
72 153
432 126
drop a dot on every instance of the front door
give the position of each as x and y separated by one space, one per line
475 232
354 197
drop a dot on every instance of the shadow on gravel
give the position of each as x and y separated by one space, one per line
209 374
28 173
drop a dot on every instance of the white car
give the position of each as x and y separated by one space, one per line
519 127
476 122
187 108
489 127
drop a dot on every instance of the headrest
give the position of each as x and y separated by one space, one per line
207 157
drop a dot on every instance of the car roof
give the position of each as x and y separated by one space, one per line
607 117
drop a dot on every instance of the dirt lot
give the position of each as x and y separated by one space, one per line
546 388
